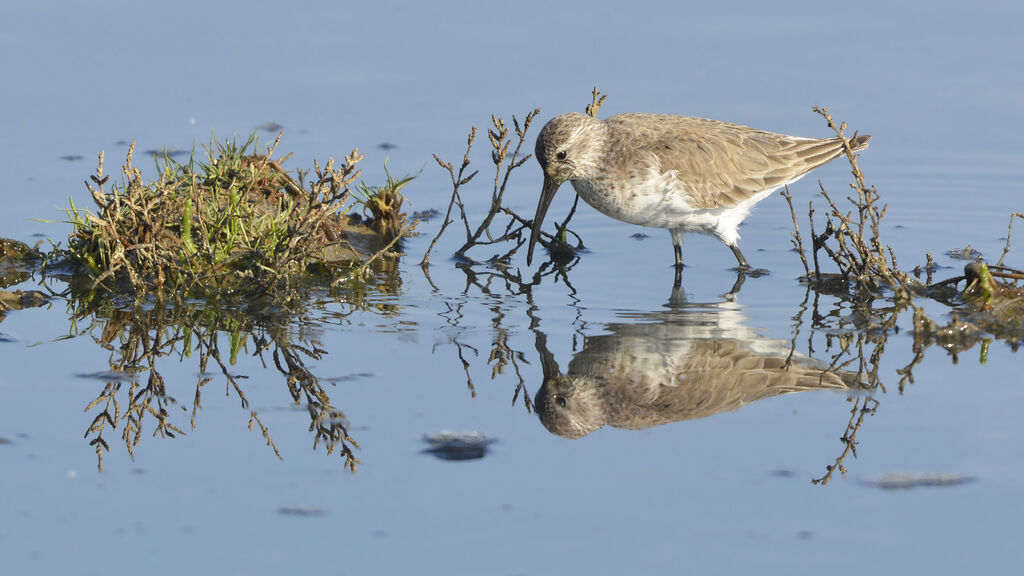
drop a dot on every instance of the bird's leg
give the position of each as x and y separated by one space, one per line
679 277
677 248
739 257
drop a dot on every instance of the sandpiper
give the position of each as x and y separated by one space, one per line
676 172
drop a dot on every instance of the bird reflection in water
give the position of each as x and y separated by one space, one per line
688 361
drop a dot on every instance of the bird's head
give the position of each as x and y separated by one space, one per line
569 406
565 151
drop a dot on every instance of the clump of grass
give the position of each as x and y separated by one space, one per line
383 204
233 220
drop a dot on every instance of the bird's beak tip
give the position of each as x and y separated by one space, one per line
546 195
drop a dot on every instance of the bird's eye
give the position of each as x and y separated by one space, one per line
561 155
561 401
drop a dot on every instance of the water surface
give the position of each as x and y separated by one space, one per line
728 493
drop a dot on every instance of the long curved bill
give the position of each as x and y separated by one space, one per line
547 193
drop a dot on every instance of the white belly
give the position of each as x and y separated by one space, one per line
657 205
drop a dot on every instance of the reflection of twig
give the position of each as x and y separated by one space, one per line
861 408
465 365
504 282
907 372
328 424
857 350
798 321
503 355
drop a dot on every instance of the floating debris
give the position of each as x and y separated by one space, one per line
70 157
387 146
448 445
902 481
965 253
639 236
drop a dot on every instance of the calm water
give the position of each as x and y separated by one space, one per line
728 493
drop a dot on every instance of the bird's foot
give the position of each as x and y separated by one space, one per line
752 272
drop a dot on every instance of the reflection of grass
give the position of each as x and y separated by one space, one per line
135 395
231 221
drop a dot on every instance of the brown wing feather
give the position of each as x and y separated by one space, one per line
717 163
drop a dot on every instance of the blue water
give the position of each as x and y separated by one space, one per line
726 494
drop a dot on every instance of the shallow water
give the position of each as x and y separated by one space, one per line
726 493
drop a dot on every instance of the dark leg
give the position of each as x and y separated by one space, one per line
677 246
739 257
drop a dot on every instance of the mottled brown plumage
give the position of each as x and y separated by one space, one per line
675 172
